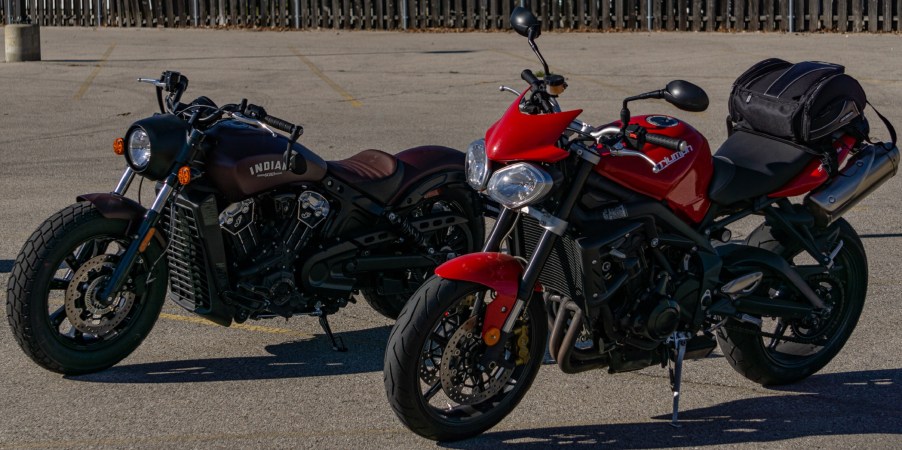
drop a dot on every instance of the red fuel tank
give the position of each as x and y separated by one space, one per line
682 183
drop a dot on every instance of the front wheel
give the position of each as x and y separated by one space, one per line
783 350
436 377
53 305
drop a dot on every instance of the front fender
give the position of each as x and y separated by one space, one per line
497 271
113 206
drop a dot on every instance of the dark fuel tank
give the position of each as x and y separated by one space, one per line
243 160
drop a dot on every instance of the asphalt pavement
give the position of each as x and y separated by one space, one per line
277 384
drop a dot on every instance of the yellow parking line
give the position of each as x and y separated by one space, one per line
335 86
239 326
87 84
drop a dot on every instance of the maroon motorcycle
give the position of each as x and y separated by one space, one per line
246 224
614 242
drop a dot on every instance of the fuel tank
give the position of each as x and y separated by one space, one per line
243 160
682 183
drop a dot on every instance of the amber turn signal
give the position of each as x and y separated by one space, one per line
184 175
146 240
491 337
119 146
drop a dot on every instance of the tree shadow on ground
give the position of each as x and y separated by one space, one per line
859 403
298 359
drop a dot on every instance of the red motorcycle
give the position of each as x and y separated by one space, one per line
614 242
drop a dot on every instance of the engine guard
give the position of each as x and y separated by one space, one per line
497 271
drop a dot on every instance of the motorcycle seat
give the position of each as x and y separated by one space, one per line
374 172
749 165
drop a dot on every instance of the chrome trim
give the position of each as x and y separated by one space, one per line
547 221
253 122
162 198
598 134
512 317
152 81
618 150
511 90
743 285
125 181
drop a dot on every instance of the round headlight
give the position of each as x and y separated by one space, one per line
138 149
477 165
519 185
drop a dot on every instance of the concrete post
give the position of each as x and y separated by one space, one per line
23 42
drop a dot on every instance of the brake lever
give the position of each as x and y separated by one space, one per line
254 122
152 81
508 89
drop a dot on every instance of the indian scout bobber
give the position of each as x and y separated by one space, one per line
617 239
246 224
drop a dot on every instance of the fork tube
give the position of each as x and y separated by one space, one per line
125 181
502 227
546 245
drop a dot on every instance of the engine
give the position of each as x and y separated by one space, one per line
264 235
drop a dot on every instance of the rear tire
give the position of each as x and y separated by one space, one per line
414 375
768 361
461 239
49 303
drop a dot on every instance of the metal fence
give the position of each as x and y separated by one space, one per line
594 15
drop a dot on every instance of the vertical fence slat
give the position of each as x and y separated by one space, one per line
671 13
857 18
739 13
872 15
506 15
827 18
710 15
887 15
696 15
800 15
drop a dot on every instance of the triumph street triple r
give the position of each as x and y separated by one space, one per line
614 242
246 224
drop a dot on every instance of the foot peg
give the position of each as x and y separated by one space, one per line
337 343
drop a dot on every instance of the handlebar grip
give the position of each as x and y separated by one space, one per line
671 143
279 124
529 77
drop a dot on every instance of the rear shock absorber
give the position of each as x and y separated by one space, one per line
407 230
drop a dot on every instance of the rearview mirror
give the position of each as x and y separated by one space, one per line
525 23
686 96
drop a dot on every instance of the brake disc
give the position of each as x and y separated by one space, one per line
464 379
85 311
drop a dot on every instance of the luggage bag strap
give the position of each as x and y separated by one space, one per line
886 122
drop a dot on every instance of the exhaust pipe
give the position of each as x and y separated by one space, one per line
866 171
563 336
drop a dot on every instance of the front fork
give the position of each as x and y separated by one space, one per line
151 217
543 249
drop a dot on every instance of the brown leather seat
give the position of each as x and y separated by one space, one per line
374 172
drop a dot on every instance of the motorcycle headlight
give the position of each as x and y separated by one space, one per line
519 185
138 149
165 134
477 165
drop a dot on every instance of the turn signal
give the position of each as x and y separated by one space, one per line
491 337
184 175
119 146
146 240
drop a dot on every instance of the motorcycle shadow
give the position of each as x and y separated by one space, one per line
296 359
853 403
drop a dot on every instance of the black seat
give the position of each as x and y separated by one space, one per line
373 172
749 165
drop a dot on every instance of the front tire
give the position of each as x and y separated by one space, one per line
441 402
458 239
767 360
52 306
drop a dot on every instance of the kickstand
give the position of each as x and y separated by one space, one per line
676 375
337 343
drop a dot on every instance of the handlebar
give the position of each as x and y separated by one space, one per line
530 78
257 112
668 142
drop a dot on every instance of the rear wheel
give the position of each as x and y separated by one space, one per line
53 305
436 378
797 348
453 240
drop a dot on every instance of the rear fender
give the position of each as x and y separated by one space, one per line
113 206
427 168
496 271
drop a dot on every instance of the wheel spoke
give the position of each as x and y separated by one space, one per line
432 390
59 284
57 317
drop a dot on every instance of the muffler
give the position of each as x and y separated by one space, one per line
866 171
